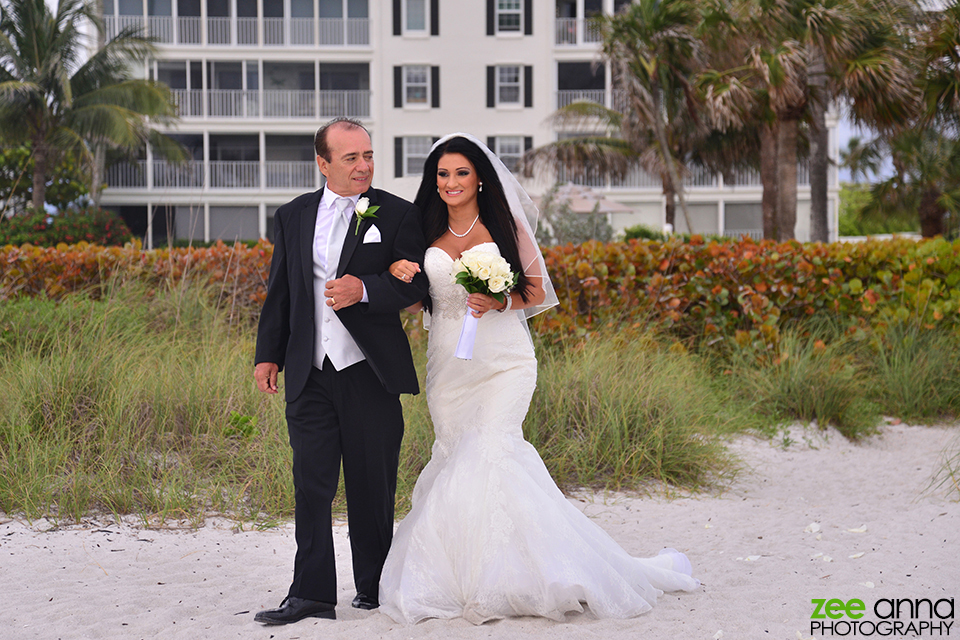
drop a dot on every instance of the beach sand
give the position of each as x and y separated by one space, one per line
789 529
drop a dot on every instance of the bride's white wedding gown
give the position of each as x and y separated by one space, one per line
490 535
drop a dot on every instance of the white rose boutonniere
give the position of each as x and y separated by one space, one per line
364 211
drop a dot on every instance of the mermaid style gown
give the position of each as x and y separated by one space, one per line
490 535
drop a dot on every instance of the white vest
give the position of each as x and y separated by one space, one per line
331 338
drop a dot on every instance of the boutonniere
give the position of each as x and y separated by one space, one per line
364 211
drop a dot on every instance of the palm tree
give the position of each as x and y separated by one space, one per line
926 164
59 100
796 57
653 53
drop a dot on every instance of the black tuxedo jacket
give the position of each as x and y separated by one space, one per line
286 334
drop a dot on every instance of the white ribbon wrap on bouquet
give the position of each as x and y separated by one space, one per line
468 333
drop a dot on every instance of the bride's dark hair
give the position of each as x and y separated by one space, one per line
494 210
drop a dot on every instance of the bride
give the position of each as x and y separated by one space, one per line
489 534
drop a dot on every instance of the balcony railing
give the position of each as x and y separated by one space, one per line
189 29
161 28
576 31
592 95
234 103
291 175
355 104
247 31
273 31
234 174
189 102
289 104
284 174
218 30
222 31
171 176
128 175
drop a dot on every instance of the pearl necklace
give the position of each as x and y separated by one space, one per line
468 230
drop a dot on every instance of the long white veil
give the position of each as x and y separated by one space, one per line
526 215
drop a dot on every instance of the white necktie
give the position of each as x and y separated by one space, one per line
337 235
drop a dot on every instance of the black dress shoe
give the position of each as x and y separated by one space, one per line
293 609
363 601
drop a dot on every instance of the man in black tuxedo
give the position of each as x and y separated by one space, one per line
331 322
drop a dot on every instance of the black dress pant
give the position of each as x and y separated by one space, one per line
343 415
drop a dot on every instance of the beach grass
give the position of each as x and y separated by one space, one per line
142 402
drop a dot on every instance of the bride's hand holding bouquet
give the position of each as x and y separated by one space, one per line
482 272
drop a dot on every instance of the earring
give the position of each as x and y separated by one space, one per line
438 189
481 187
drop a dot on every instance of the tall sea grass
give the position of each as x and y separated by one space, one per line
131 405
917 372
620 411
808 378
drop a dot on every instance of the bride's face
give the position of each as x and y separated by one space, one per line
457 180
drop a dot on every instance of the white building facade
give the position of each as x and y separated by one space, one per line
255 78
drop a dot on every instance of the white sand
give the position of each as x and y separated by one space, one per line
759 567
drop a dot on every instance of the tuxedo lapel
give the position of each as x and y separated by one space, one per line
308 228
353 235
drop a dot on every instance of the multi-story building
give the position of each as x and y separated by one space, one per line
255 78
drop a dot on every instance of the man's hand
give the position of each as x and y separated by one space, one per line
343 292
265 374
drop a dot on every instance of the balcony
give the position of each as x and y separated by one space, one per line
223 31
293 175
235 103
567 97
576 32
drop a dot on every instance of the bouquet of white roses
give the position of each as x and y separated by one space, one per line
480 272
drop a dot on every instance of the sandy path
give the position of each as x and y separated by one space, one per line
752 547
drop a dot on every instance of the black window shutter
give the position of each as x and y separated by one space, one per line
398 87
491 87
528 86
492 143
491 17
397 17
528 17
434 17
527 143
398 157
435 87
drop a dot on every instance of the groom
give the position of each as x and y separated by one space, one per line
331 322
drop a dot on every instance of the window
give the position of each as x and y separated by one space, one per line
510 149
415 18
416 85
508 85
508 16
415 152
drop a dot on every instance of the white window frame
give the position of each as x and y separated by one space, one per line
407 85
501 85
506 155
406 19
415 147
518 11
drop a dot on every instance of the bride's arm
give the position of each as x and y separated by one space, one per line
405 270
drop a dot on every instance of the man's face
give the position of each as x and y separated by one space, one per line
350 169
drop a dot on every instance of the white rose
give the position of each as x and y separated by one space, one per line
362 205
497 284
457 268
484 272
470 262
